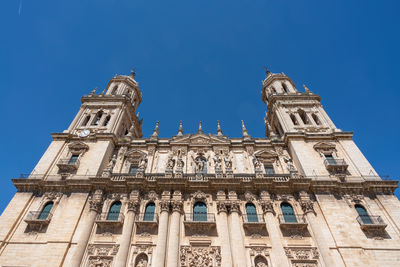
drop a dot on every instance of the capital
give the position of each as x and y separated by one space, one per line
164 205
221 207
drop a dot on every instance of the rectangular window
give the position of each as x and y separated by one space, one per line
330 159
269 169
133 169
73 159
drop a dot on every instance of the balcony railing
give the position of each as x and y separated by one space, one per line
67 165
110 218
253 218
200 217
370 222
38 217
336 165
147 218
290 221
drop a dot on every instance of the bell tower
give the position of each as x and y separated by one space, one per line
318 148
111 111
87 146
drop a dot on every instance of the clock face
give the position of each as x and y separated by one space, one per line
84 133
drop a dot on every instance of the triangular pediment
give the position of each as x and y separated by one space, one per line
201 139
265 153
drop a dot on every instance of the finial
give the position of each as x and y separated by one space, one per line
200 129
93 91
306 89
267 72
102 93
219 131
180 130
133 73
244 130
155 131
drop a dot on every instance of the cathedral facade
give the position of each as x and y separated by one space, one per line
102 195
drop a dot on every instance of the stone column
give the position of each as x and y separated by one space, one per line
174 230
133 205
278 254
237 243
319 235
159 254
95 204
223 231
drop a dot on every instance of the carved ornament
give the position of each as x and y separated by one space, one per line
200 256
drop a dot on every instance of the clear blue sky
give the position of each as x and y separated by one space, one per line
197 60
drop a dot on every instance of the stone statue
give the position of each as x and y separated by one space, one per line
180 163
257 163
143 163
93 92
111 164
199 164
170 163
217 162
289 163
228 162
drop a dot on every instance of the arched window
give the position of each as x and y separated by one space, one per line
363 214
141 260
284 87
97 119
149 212
260 261
294 120
288 213
316 119
251 213
113 213
114 90
200 212
45 211
86 120
107 120
303 116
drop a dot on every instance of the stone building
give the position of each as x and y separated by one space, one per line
102 195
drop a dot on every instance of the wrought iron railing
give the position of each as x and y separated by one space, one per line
199 217
291 219
253 218
110 217
370 220
39 216
147 217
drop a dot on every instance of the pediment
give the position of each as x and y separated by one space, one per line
201 139
324 146
134 154
265 153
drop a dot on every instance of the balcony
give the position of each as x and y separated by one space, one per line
38 218
371 223
253 222
336 165
292 222
68 165
200 223
147 223
107 219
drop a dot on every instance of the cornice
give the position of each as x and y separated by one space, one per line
68 137
278 184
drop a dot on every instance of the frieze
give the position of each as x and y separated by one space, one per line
297 253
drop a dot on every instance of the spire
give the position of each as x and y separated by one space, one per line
219 131
200 129
244 130
180 130
267 72
155 131
94 91
133 73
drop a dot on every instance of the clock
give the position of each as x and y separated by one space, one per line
84 133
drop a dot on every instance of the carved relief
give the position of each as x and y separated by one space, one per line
101 254
200 256
297 253
142 255
78 148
